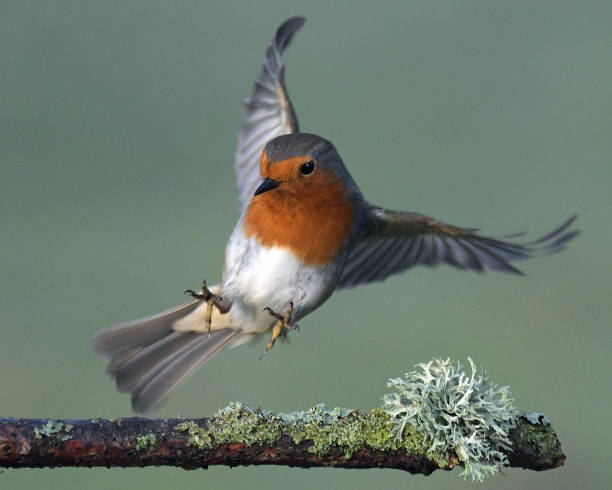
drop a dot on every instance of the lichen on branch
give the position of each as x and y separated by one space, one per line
437 419
455 411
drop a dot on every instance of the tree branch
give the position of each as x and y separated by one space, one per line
240 435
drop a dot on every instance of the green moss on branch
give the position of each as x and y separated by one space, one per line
242 435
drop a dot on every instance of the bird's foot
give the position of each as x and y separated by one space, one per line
211 300
281 327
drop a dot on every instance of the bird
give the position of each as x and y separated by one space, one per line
305 230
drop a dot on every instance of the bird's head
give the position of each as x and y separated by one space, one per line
300 164
306 202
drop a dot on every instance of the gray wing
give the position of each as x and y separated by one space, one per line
268 113
395 241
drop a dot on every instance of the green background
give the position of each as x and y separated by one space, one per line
117 131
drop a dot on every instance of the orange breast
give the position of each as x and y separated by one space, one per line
311 217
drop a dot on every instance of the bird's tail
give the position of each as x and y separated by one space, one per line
153 356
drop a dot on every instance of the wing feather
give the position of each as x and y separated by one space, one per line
268 113
395 241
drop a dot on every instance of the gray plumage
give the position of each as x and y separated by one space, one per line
150 360
268 113
393 241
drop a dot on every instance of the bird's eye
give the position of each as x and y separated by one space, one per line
307 168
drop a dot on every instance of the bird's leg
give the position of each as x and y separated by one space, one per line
282 325
211 300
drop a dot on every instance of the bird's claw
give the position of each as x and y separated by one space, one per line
282 325
211 300
203 296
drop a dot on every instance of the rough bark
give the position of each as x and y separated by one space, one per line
245 437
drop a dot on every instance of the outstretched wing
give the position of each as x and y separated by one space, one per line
268 113
395 241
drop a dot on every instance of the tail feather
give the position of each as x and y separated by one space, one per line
130 335
120 358
150 360
144 360
154 389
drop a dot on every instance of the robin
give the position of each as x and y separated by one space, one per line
305 230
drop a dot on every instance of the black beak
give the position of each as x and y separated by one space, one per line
266 185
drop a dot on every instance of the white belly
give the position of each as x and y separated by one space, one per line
257 277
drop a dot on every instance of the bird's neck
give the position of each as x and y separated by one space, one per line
311 218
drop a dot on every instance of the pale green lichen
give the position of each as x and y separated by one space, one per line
455 411
250 426
434 413
377 431
240 422
326 429
146 442
198 436
53 428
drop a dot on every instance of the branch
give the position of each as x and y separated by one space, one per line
240 435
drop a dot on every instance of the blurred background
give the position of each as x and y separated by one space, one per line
118 122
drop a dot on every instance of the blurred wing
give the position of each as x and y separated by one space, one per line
268 113
395 241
